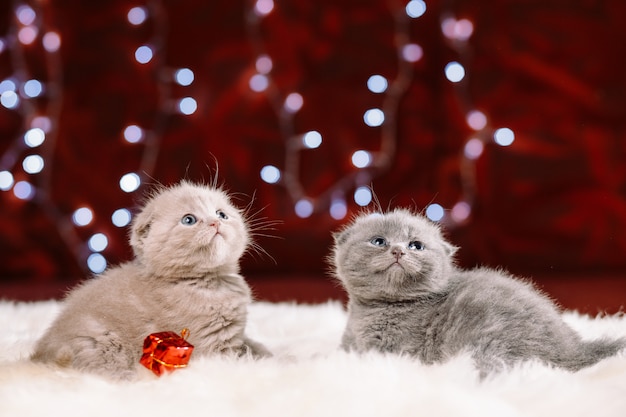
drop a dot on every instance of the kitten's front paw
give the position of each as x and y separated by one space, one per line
254 349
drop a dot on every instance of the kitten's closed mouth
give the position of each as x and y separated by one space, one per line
207 242
396 264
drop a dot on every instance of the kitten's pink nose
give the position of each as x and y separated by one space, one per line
398 252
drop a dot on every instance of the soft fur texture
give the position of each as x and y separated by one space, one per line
307 376
187 242
406 296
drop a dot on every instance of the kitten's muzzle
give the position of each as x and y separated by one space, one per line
398 252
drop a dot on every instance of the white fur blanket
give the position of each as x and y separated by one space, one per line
308 376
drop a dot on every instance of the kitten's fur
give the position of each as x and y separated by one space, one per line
183 276
426 307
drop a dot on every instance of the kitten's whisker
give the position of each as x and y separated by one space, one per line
255 248
270 225
266 235
250 207
213 176
376 199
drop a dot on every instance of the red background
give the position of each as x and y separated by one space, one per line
551 206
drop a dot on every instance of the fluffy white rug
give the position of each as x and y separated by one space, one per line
308 376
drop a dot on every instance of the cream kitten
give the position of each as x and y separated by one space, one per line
407 296
187 242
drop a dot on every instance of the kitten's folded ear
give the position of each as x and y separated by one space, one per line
340 237
449 248
140 229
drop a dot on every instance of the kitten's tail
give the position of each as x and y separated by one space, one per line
591 352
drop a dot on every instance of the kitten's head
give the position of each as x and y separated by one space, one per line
394 256
189 230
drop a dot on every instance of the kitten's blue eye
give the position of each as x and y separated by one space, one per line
416 245
378 241
221 215
189 220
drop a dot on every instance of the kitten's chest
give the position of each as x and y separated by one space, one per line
390 330
395 329
192 305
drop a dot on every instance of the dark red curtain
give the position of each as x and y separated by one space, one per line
551 71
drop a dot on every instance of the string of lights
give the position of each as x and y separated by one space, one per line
38 104
367 164
457 33
26 165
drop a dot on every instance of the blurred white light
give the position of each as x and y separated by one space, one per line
82 216
270 174
144 54
2 45
27 34
374 117
96 263
9 99
34 137
32 88
258 83
293 102
130 182
51 41
6 180
25 14
504 136
454 71
473 148
434 212
264 64
412 52
137 15
7 85
312 139
133 134
304 208
184 76
33 164
187 105
121 217
415 8
461 211
476 120
98 242
363 196
263 7
23 190
377 84
361 159
338 209
41 122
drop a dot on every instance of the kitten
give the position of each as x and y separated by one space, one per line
407 296
187 242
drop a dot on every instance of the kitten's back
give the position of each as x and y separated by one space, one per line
507 320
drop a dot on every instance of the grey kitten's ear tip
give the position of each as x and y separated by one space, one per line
337 236
340 236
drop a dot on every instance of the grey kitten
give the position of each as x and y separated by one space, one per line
407 296
187 242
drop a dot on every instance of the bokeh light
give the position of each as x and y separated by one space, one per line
504 136
270 174
435 212
82 216
361 159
